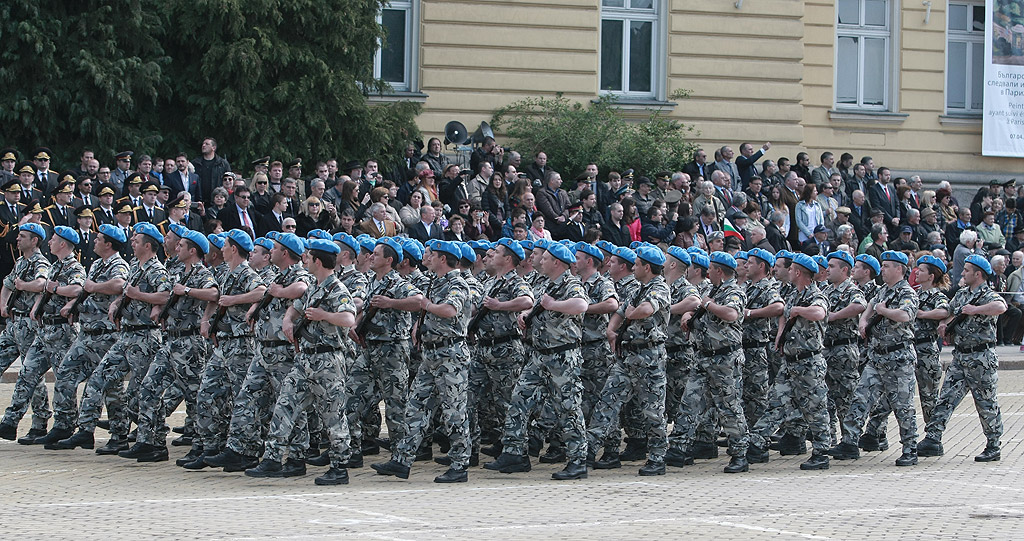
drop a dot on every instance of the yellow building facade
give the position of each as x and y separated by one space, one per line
898 80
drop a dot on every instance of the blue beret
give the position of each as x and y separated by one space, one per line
318 234
480 245
241 238
763 255
347 240
806 262
526 245
273 235
651 254
933 261
324 245
700 260
563 254
843 256
292 242
216 240
589 249
430 244
742 255
542 244
606 246
198 239
178 230
680 254
695 250
723 258
512 246
264 242
978 261
149 230
467 252
870 261
821 261
367 242
567 243
412 248
394 245
37 229
71 235
634 244
111 232
626 254
450 248
898 257
784 254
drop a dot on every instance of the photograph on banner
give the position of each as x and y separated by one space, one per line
1008 32
1002 131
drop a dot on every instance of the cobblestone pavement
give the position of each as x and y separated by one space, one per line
47 494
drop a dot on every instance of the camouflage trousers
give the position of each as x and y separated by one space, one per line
441 385
222 377
842 372
380 371
48 348
496 368
781 415
977 373
597 364
315 378
929 377
639 376
712 378
557 375
678 363
889 375
809 398
755 383
178 363
254 404
77 365
15 340
131 354
174 396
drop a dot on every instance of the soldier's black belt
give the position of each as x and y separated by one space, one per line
379 342
19 313
841 342
753 344
800 356
182 333
889 349
637 346
491 342
445 342
670 350
975 348
97 332
222 336
54 320
559 349
274 343
920 341
720 351
319 349
136 328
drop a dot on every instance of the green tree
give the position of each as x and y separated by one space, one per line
574 134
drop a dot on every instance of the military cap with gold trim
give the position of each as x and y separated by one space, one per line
68 176
8 155
33 207
177 203
126 155
264 161
25 167
65 186
124 208
12 186
41 153
134 178
106 189
150 186
297 162
84 212
664 175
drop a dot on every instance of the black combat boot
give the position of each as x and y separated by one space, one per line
652 468
334 476
845 451
453 475
929 447
509 463
737 464
573 470
391 467
818 461
81 439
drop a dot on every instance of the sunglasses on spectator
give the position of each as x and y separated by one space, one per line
261 182
289 227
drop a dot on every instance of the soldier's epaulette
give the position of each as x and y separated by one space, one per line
50 207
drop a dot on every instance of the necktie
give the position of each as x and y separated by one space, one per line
150 211
380 227
63 214
245 219
887 196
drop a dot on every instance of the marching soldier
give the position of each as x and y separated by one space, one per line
636 334
55 333
443 379
971 327
180 359
842 345
865 273
21 289
888 327
763 305
678 349
315 323
620 270
556 330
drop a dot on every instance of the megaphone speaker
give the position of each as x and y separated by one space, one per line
455 132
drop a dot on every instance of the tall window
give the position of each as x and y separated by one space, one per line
629 47
862 54
395 61
965 57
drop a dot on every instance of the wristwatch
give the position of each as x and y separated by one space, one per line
187 291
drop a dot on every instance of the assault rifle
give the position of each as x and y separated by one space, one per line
474 324
302 322
161 319
370 310
123 302
961 316
876 318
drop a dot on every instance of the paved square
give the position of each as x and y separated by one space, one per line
58 494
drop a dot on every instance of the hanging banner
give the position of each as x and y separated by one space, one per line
1003 124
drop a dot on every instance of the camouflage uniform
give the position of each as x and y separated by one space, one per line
442 382
275 357
382 369
421 281
51 341
597 354
842 352
135 348
678 349
929 367
222 377
756 341
95 338
638 372
317 376
500 355
890 369
974 367
179 362
20 331
555 366
631 417
715 374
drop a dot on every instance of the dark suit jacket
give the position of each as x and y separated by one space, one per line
861 222
53 217
746 167
535 172
878 200
618 236
694 170
9 236
79 202
86 250
419 232
575 231
141 215
229 217
267 223
775 237
811 247
176 184
102 218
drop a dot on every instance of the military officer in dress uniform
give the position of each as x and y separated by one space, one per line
61 212
104 212
12 210
87 234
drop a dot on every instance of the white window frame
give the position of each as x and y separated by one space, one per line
658 45
412 38
972 39
862 31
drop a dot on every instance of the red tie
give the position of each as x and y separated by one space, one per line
887 196
245 216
